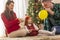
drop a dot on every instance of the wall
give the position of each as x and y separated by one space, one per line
56 1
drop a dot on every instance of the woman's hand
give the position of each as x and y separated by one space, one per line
21 23
20 19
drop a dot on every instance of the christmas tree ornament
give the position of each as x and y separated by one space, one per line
32 14
30 2
36 11
38 22
36 3
43 14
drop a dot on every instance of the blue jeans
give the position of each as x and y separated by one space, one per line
57 29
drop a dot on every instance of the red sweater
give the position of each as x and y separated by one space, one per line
12 25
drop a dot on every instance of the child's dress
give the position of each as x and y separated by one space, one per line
34 29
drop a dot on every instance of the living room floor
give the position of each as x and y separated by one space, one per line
57 37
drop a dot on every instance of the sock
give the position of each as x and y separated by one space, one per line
53 32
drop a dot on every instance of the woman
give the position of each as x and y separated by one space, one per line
11 22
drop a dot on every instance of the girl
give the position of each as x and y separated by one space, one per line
30 27
11 22
33 30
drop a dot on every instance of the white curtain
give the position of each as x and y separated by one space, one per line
19 8
2 6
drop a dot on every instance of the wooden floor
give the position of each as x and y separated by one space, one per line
34 38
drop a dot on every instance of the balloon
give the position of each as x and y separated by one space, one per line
43 14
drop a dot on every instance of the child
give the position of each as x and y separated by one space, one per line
33 30
31 27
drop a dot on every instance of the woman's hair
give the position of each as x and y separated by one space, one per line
9 14
8 3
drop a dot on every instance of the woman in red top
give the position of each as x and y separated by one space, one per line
11 22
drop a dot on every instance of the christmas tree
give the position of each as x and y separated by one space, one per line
33 10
